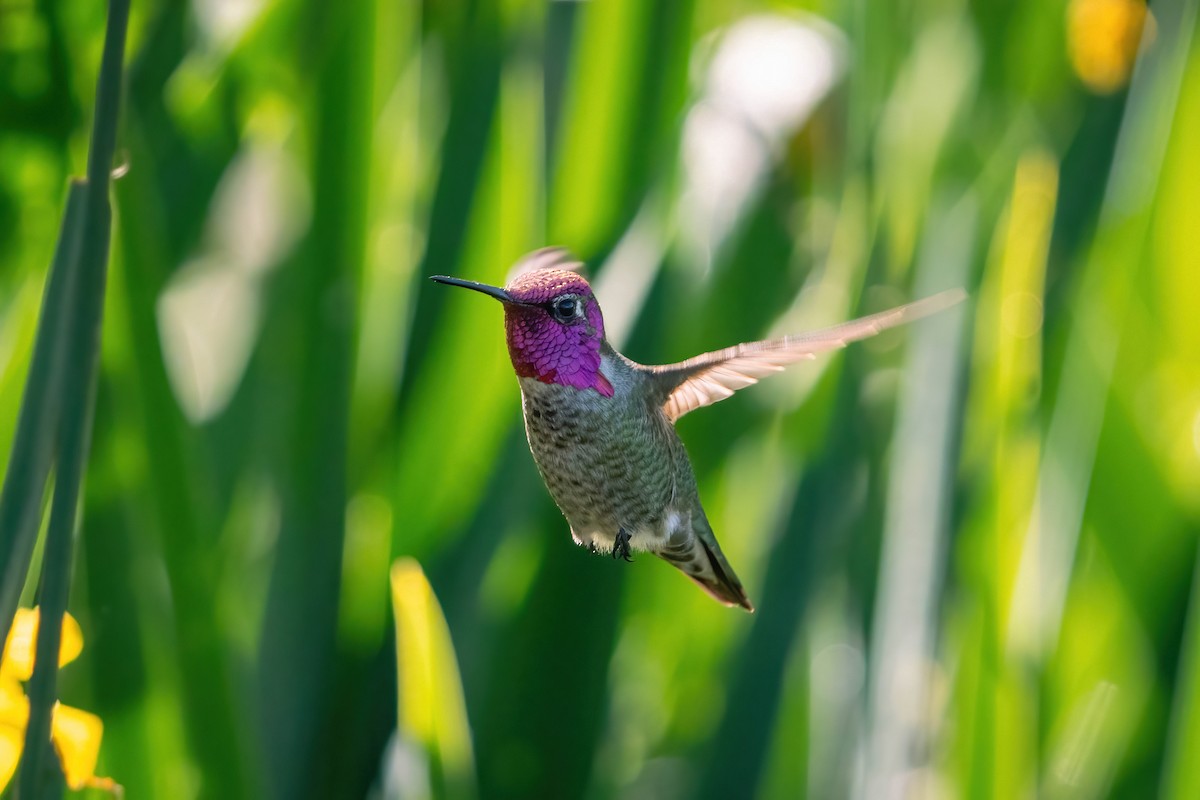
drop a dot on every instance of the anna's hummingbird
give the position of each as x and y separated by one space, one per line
602 427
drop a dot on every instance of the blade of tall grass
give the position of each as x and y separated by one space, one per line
1181 773
75 436
431 714
79 331
1103 298
916 529
298 641
472 96
18 333
755 684
600 112
995 755
1178 283
450 438
169 499
32 452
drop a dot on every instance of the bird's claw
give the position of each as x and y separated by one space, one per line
621 546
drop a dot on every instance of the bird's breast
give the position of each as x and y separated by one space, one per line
607 462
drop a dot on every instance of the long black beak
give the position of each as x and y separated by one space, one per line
491 291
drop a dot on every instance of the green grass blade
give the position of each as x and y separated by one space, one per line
75 439
178 527
297 657
29 462
78 331
1181 773
916 528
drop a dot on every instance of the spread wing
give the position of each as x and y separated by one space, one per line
710 377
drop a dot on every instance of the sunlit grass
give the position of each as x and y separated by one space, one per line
433 739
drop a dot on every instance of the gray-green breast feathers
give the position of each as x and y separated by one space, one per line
710 377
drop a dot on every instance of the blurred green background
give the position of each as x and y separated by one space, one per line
972 543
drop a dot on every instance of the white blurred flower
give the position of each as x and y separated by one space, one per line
765 77
208 314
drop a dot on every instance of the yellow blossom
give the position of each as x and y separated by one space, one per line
75 734
1103 37
22 642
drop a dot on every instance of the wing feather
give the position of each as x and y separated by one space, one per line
711 377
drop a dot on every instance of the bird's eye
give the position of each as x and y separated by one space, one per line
566 307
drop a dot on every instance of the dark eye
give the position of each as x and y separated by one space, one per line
565 307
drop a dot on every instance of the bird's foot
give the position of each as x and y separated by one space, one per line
591 546
621 546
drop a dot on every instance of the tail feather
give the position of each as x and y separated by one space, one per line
696 554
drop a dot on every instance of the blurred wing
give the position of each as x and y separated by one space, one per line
546 258
710 377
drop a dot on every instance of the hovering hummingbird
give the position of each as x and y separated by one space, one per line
602 427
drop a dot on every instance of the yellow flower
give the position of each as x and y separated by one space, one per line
75 734
1103 37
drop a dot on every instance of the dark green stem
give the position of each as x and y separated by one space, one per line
33 443
75 438
78 334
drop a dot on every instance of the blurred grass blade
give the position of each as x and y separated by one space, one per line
593 159
74 442
916 531
1181 771
432 712
1102 301
297 656
1002 438
78 339
29 461
440 478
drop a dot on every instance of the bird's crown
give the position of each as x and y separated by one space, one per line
546 274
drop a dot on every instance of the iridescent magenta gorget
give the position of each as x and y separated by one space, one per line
555 329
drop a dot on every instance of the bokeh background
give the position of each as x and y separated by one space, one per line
972 543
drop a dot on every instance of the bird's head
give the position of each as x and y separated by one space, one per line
552 322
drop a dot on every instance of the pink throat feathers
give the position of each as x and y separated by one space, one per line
550 350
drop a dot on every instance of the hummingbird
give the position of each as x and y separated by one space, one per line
601 427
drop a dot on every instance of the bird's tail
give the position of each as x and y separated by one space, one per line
697 554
